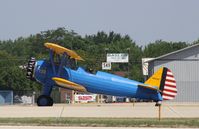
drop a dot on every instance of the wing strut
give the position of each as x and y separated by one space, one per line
52 62
61 64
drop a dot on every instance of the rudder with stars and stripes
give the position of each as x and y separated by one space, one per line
168 85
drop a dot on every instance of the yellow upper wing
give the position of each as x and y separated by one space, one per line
68 84
60 50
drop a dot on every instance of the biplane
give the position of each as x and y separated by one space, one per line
59 71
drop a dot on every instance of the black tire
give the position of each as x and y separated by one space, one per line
50 101
44 100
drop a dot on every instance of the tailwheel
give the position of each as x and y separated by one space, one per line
44 100
158 103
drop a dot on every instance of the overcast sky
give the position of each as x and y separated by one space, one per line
143 20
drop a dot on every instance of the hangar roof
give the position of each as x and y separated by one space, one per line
174 52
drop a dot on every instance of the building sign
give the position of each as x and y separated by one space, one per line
85 98
106 65
117 57
145 65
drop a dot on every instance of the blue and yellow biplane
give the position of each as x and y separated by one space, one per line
58 71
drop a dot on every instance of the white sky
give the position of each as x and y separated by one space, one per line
143 20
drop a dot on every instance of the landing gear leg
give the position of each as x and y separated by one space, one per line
45 99
159 104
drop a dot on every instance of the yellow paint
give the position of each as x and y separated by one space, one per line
68 84
155 79
60 50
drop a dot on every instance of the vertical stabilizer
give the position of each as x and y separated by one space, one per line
164 80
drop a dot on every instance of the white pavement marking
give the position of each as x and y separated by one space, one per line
61 111
173 110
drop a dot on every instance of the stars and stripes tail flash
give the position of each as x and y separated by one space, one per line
164 80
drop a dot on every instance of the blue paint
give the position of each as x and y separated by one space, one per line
109 84
100 83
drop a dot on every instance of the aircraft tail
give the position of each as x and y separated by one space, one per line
164 80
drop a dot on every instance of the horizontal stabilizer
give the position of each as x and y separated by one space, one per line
68 84
61 50
149 87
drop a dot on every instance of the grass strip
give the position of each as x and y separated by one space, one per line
104 122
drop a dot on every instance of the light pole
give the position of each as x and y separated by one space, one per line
101 96
106 50
128 49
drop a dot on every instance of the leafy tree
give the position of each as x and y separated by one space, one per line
162 47
92 48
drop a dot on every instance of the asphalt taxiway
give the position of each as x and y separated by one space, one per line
117 110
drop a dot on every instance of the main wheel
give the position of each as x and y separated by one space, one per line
44 100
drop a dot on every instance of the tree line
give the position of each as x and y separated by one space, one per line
92 48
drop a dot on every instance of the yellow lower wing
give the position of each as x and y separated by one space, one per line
60 50
68 84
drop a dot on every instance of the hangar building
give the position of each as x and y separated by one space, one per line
184 64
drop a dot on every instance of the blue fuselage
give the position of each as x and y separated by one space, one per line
100 83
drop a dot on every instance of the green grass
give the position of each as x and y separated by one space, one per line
107 122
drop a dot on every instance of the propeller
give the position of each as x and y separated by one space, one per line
30 68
